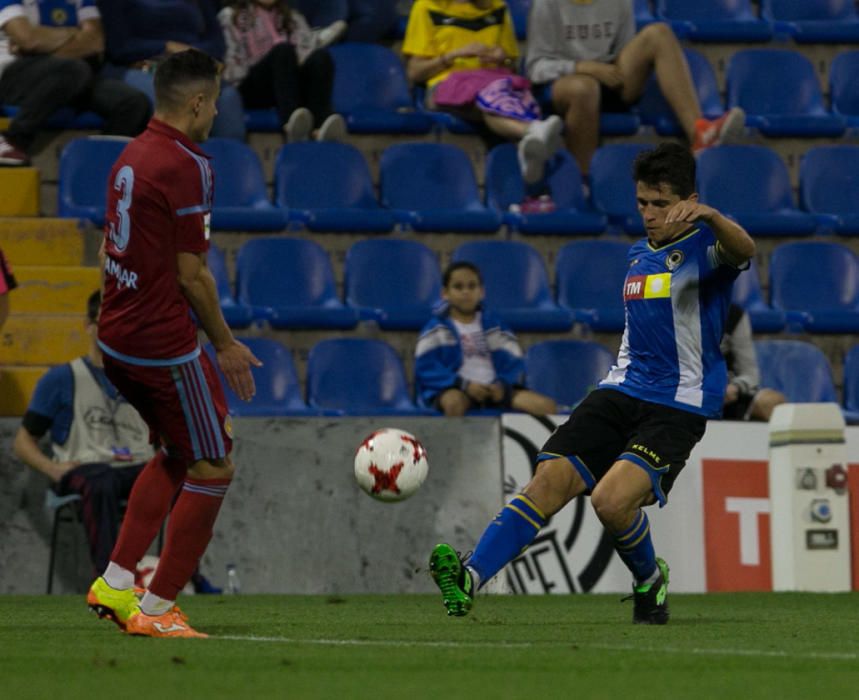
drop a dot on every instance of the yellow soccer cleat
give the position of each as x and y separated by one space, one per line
170 624
111 603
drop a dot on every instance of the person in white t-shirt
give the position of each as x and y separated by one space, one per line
467 358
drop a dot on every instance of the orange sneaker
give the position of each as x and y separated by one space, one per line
722 130
170 624
139 592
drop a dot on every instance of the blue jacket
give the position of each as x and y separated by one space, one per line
135 30
438 356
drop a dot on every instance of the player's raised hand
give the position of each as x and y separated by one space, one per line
689 210
236 361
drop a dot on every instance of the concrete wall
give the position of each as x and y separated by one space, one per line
294 521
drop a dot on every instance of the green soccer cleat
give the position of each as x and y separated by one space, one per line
453 580
111 603
651 599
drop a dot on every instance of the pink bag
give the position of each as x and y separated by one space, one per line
493 90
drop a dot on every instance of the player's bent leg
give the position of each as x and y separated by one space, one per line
188 533
512 530
617 501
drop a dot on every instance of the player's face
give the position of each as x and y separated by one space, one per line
205 112
464 291
654 205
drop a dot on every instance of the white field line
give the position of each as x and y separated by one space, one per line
764 653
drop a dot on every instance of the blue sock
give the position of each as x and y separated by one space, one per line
512 530
635 547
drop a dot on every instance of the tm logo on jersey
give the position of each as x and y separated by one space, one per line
647 286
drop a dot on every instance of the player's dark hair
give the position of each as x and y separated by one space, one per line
179 71
668 163
461 265
93 304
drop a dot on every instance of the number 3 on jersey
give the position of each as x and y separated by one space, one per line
120 231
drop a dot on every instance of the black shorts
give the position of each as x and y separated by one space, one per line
610 425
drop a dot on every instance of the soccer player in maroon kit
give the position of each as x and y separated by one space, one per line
154 255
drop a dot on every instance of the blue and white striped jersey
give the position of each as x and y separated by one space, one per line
676 298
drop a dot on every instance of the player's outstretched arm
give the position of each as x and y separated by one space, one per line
235 359
735 242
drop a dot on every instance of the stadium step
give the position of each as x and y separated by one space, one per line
41 241
20 188
53 290
16 388
42 340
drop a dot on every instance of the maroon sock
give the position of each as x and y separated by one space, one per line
188 534
148 505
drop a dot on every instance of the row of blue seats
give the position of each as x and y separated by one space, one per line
777 88
805 21
327 187
360 376
289 283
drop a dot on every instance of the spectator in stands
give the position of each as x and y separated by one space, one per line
276 60
467 358
744 398
465 52
50 56
368 20
99 443
592 60
141 32
7 284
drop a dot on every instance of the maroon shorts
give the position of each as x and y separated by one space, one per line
183 405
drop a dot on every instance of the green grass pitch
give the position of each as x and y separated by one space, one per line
727 646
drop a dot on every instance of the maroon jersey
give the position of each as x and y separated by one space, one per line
158 205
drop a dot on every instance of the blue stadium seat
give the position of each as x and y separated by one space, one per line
751 183
84 169
851 385
372 92
654 109
814 21
358 377
843 86
516 283
566 370
747 293
612 188
290 280
241 199
643 13
829 187
278 392
396 282
505 187
797 369
589 276
714 20
433 186
63 119
236 315
328 187
780 92
817 285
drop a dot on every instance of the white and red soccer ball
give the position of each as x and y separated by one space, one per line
390 464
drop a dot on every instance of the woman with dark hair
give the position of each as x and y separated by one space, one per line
276 60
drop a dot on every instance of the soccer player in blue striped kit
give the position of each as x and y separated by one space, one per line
628 440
